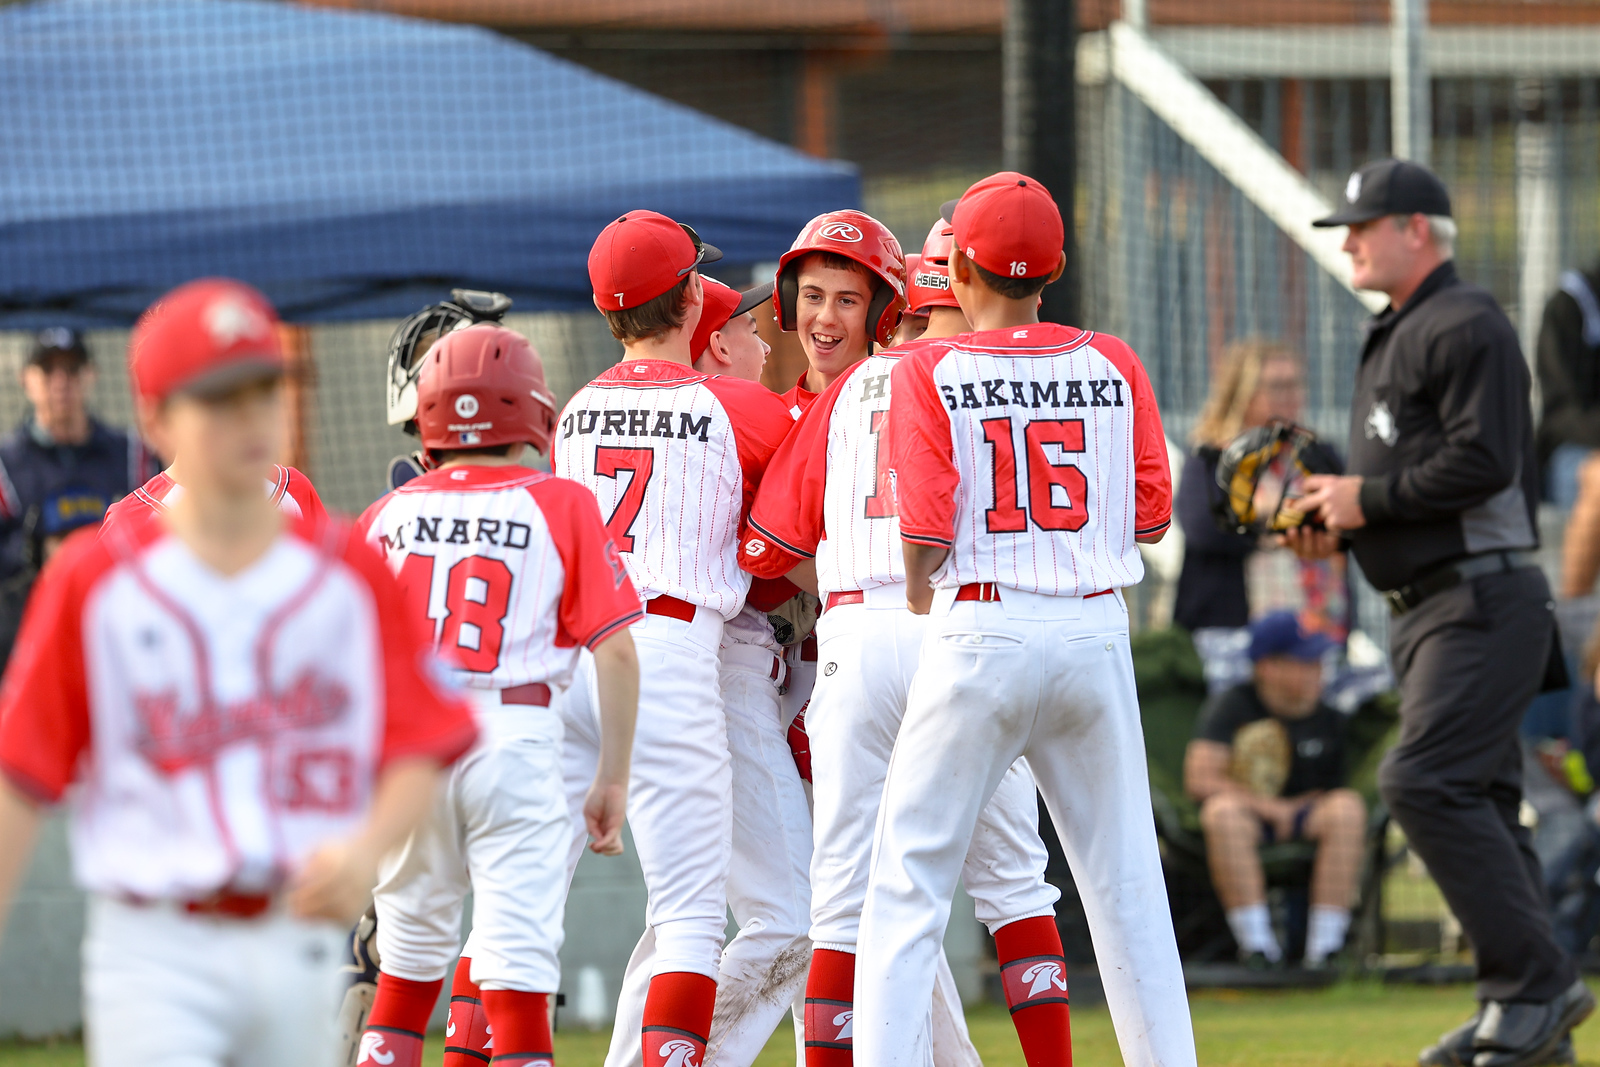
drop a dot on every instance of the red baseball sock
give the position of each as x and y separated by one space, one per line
1034 974
830 1009
395 1025
521 1025
677 1019
466 1035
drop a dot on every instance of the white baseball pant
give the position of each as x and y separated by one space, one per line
499 828
868 655
1051 679
163 988
763 969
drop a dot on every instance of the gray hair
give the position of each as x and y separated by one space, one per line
1441 232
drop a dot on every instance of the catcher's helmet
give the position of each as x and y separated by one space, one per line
481 386
465 307
1295 451
931 282
862 238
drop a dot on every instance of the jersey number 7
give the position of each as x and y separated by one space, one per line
476 598
609 462
1043 476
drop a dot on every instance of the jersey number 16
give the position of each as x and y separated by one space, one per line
1043 477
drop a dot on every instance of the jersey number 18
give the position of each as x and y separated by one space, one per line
476 599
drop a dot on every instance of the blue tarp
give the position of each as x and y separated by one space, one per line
353 165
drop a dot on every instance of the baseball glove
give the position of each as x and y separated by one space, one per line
1286 452
794 619
1261 755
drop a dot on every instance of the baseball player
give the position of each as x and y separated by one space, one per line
512 571
1028 459
827 495
673 456
249 719
915 320
407 345
763 968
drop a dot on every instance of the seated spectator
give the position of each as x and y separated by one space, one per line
1267 764
1569 382
60 470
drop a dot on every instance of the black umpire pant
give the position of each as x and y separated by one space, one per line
1469 660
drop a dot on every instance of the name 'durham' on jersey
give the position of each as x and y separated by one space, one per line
636 422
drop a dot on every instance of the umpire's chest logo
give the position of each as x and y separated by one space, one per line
1380 424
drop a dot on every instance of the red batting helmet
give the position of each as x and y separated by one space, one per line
862 238
482 386
933 276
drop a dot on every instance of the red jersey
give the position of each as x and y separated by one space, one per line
510 570
827 492
288 488
1035 454
219 727
798 398
674 457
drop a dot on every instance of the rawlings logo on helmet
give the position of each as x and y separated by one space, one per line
840 231
859 237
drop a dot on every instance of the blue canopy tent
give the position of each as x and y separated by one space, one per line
352 165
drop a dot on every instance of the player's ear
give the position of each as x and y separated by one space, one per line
1061 268
958 266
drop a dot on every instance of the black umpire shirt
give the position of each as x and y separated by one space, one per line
1441 431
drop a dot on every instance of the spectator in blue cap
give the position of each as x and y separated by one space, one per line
60 470
1267 764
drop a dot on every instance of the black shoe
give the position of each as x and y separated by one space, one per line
1525 1033
1455 1048
1258 961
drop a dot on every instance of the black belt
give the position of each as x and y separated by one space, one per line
1450 575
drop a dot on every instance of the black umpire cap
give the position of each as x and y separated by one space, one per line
55 340
1390 187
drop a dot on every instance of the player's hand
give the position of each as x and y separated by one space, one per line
920 602
335 883
1307 542
1336 499
604 810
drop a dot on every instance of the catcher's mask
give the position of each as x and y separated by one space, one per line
464 308
1296 453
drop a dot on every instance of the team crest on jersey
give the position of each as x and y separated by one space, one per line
1381 424
614 560
173 737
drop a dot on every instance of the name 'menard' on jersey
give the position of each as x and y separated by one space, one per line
828 491
1035 454
509 569
674 457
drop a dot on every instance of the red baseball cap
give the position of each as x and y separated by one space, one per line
1009 225
724 304
642 255
205 339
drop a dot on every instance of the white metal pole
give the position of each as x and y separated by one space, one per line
1136 14
1411 102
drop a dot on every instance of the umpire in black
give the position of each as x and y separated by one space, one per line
1439 509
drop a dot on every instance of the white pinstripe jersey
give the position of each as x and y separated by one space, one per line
509 569
673 456
828 492
1035 454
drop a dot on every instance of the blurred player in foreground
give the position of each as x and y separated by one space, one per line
245 709
1028 459
511 571
673 456
827 496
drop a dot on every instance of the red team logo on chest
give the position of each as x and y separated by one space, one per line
174 739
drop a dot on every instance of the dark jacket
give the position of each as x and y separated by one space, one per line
1441 429
46 489
1569 364
1211 587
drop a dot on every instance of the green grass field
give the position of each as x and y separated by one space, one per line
1351 1025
